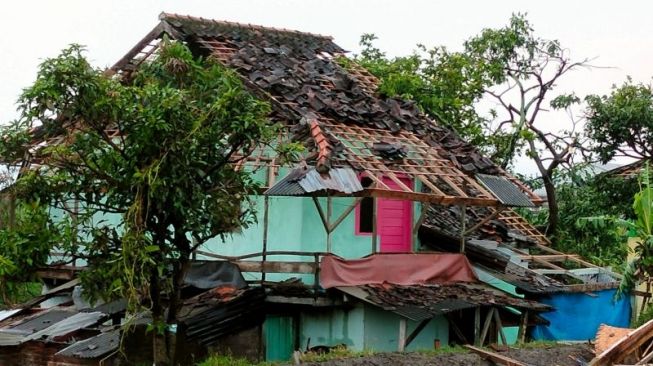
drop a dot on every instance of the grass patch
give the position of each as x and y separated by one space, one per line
220 360
335 354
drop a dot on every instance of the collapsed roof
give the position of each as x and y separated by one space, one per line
513 253
330 104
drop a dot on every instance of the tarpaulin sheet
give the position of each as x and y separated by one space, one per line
211 274
397 269
578 315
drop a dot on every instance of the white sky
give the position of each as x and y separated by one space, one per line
618 33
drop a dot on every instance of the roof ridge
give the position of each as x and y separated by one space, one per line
171 16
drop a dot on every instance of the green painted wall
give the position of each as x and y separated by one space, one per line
333 326
382 331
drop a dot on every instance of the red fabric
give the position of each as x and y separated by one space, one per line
397 269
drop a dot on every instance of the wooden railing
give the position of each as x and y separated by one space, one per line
246 263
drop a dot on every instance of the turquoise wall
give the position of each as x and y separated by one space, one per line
333 326
382 331
360 327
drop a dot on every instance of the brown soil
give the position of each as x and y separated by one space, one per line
554 355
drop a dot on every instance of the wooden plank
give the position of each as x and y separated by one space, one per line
401 340
625 346
486 326
521 334
344 215
497 321
477 326
416 331
276 266
455 328
422 217
427 197
325 220
495 357
485 220
549 257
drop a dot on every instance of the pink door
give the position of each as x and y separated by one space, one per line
395 221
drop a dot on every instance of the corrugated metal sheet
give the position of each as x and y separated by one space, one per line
343 180
68 325
287 186
506 191
42 320
6 314
9 337
209 316
93 347
305 180
109 308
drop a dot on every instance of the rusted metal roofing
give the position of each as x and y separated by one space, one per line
68 325
306 180
10 337
43 320
94 347
629 170
221 311
420 302
506 191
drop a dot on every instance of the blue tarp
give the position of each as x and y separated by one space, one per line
578 315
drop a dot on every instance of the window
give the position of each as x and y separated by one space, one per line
365 217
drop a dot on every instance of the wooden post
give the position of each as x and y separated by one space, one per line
521 334
463 222
497 320
402 335
416 332
486 325
266 206
328 220
374 227
477 326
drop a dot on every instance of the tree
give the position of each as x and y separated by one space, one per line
156 151
26 241
589 207
509 65
621 124
445 85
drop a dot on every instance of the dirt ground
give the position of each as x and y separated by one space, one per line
554 355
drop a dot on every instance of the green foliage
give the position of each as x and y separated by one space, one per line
641 267
445 85
168 173
590 210
643 317
510 65
25 247
622 122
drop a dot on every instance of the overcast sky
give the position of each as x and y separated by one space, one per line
618 33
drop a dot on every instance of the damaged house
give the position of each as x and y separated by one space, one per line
392 234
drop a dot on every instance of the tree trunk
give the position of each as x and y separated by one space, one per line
179 272
552 201
159 349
